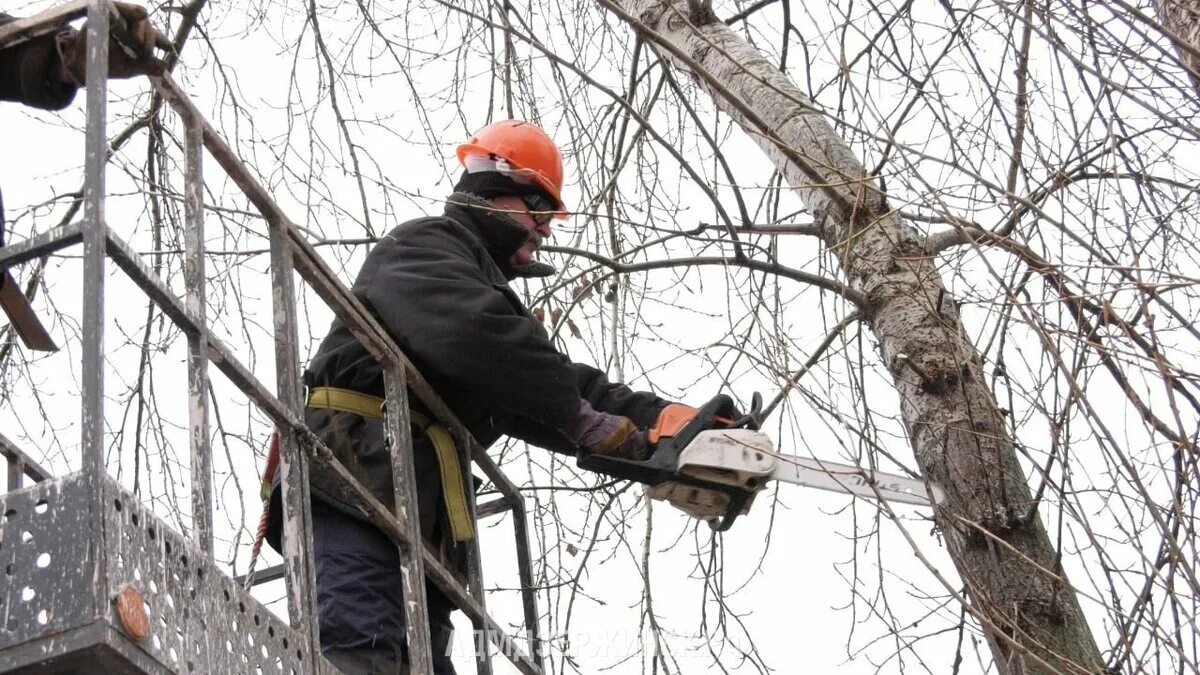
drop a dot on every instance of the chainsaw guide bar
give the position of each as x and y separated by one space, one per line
713 466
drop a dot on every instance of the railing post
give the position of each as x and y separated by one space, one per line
404 488
293 460
483 654
95 159
194 281
95 241
15 470
528 592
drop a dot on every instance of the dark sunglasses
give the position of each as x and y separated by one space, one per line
540 208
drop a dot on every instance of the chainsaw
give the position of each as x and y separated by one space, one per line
710 464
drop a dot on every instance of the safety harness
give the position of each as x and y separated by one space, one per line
454 495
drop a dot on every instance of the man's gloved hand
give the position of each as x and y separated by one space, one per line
120 64
604 434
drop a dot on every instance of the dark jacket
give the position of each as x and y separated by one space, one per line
29 73
439 285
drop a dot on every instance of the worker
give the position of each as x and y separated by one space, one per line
439 286
45 72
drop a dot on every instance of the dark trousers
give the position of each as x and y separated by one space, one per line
360 600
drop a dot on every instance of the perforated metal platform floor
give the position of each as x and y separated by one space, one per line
67 547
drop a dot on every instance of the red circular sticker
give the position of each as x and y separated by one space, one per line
132 613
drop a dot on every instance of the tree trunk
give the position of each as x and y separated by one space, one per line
1016 587
1182 17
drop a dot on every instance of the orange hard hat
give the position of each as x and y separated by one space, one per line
528 151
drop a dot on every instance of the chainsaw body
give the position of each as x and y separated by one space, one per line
718 470
708 465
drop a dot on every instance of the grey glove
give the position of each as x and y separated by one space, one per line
604 434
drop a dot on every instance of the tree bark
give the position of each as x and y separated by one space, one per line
1015 584
1182 18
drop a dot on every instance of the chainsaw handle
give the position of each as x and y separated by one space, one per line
661 465
708 416
752 419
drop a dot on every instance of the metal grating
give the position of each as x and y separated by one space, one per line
46 585
200 621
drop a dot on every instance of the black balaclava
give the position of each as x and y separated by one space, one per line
492 184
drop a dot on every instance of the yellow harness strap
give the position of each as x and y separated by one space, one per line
453 493
345 400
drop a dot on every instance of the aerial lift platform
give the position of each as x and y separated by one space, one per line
93 581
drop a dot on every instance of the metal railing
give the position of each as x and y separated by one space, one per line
290 254
20 465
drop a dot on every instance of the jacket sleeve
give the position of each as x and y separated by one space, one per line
618 399
427 285
611 397
541 435
29 73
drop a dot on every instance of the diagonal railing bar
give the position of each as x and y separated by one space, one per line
350 490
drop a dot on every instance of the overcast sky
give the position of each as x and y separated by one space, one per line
805 576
